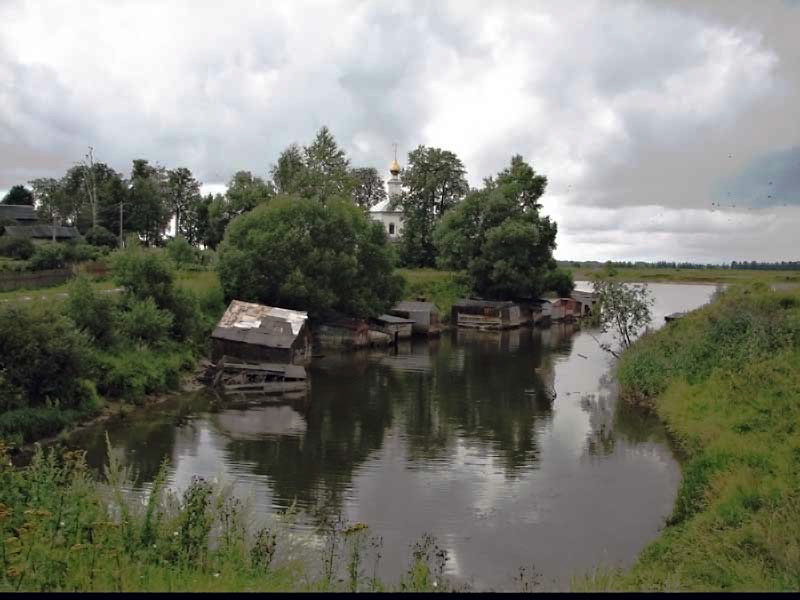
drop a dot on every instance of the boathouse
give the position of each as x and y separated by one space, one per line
486 314
588 300
398 328
534 311
349 333
566 309
424 315
262 333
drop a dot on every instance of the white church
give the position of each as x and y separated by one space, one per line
392 219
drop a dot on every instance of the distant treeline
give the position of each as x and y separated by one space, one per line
785 265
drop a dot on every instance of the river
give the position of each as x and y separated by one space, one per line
460 437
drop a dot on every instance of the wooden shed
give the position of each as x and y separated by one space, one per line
262 333
486 314
398 328
566 309
350 333
588 300
534 311
424 316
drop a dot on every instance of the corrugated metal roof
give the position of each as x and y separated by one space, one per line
41 231
18 212
255 337
246 315
415 306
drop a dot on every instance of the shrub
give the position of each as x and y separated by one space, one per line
182 253
101 237
92 312
144 273
19 248
144 321
560 281
185 310
44 356
48 256
79 252
135 371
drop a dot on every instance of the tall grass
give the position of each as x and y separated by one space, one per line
443 288
726 381
63 530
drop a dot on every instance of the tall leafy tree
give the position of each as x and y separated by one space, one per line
19 195
246 191
434 182
320 170
300 253
288 172
183 192
50 199
498 236
369 189
150 213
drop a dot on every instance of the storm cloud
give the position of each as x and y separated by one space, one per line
666 129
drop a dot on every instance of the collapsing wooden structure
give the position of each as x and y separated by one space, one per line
240 377
423 315
487 314
398 328
258 333
589 300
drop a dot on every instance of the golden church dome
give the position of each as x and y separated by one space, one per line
394 169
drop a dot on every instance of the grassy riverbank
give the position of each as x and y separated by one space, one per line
726 382
652 274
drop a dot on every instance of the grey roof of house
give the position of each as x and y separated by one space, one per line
473 303
393 320
41 231
18 212
415 306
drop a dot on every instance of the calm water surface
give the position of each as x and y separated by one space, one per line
460 437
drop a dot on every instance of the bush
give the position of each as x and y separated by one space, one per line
93 313
144 273
101 237
144 321
304 254
19 248
134 372
79 252
182 253
44 356
48 256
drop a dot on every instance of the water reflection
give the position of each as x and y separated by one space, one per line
509 446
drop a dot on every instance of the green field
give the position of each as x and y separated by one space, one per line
637 274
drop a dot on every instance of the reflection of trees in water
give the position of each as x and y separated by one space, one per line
612 420
495 396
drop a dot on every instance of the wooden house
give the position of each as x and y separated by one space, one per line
268 334
424 316
588 300
486 314
20 221
566 309
534 311
398 328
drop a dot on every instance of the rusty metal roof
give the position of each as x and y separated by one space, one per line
260 325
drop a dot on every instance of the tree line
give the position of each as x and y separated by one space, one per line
784 265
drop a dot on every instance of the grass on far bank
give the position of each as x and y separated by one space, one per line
652 274
443 288
726 382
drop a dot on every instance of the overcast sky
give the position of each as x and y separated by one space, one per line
644 115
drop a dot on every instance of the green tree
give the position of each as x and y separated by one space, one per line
289 170
149 213
561 282
369 188
50 199
183 192
497 235
19 195
320 170
623 310
302 254
434 181
245 192
217 217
